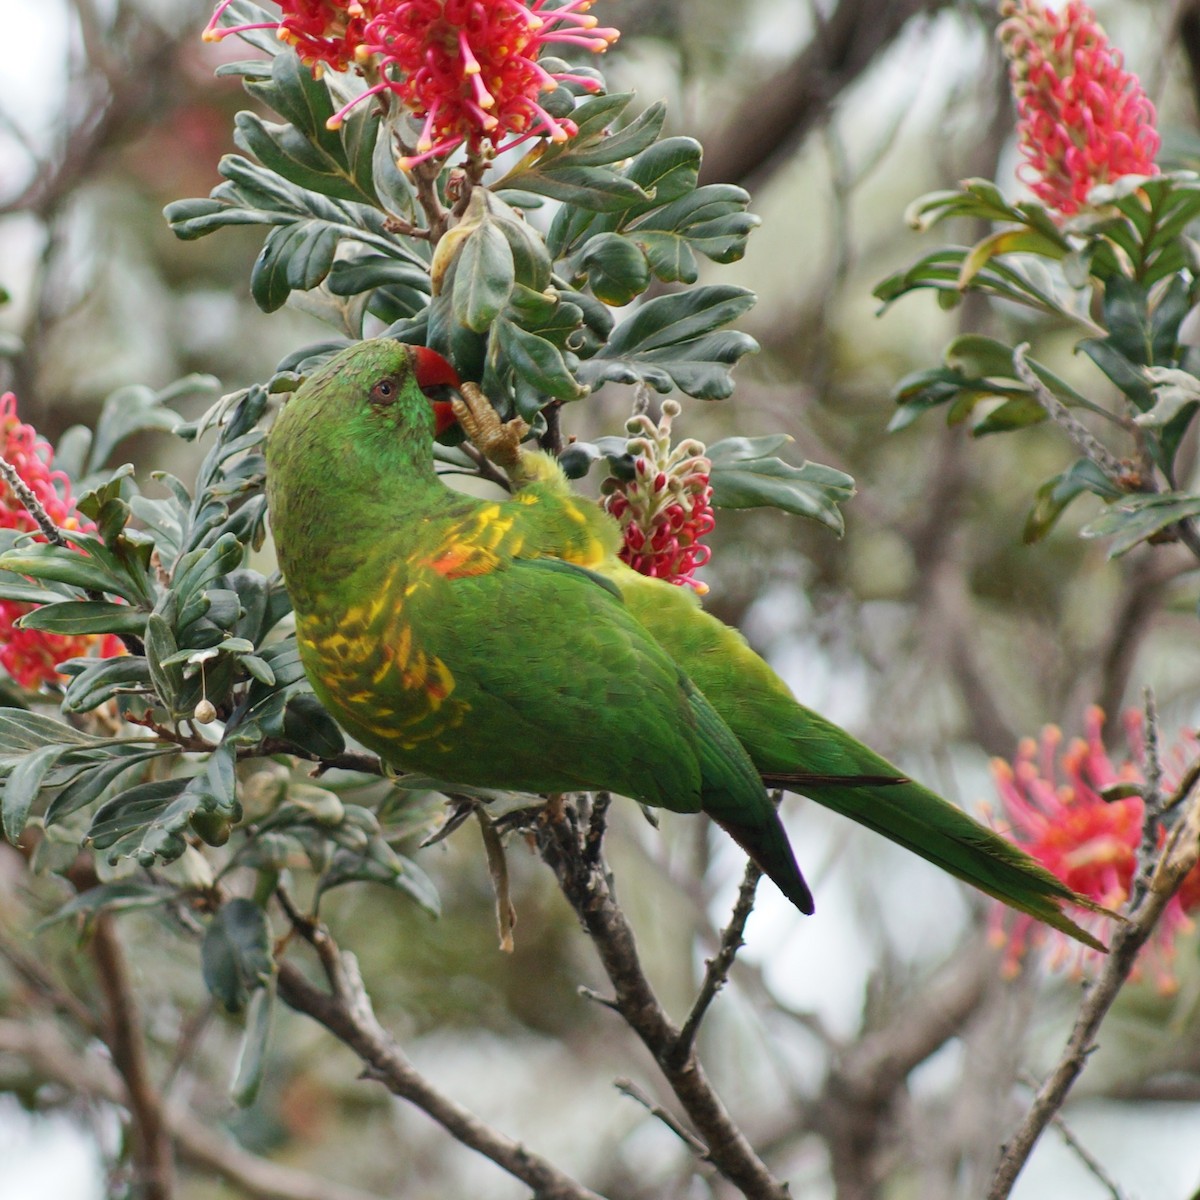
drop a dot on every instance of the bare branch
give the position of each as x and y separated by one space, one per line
152 1152
48 1052
719 966
585 885
347 1013
1178 856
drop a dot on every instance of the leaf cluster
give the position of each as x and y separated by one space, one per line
1122 275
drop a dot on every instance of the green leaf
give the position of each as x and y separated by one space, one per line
99 680
120 896
1081 477
627 142
22 731
381 864
1019 412
90 784
809 490
1127 319
236 954
160 645
23 785
616 268
484 275
65 564
308 725
251 1062
136 409
1124 372
673 341
85 616
1136 518
539 362
294 257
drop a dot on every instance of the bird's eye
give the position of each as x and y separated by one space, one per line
384 392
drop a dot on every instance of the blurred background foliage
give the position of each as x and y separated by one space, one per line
930 630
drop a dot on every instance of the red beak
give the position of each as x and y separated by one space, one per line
435 377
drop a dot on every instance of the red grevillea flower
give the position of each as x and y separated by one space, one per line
324 33
469 68
29 655
1053 807
666 508
1084 120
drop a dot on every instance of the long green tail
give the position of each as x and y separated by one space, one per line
797 749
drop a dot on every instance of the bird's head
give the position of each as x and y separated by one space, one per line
361 427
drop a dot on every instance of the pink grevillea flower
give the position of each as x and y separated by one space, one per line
469 68
1084 120
666 508
324 33
1053 806
29 655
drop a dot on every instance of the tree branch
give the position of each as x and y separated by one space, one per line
346 1011
1178 856
780 111
151 1147
585 884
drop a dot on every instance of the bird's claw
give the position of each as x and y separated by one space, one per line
499 441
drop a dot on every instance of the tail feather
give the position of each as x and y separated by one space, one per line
920 821
768 846
733 795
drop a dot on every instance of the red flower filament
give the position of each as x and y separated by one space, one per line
666 508
467 69
30 656
1053 807
1083 119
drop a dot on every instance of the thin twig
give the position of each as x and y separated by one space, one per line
628 1088
201 1145
346 1011
586 887
1085 1156
716 974
151 1146
1081 437
1166 873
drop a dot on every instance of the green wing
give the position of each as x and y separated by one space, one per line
567 690
562 688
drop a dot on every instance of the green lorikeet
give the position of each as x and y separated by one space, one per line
502 644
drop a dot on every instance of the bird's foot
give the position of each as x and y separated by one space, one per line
499 441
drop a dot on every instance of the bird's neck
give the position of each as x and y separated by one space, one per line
336 514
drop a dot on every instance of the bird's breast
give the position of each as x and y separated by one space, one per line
367 662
